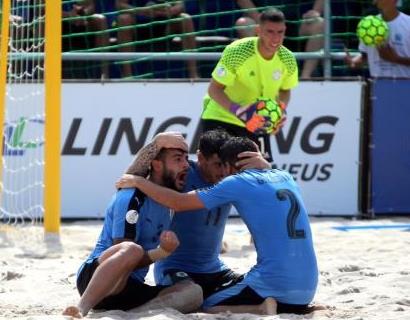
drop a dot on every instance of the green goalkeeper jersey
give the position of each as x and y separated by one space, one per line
247 76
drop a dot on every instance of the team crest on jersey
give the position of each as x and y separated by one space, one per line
132 216
276 75
221 72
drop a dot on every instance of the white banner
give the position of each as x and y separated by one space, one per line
320 145
105 124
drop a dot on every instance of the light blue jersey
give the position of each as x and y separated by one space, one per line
200 234
132 215
271 206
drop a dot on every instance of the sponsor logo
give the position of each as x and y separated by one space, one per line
22 135
113 133
276 75
316 137
132 216
221 72
313 138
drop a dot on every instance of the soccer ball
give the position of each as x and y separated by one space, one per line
271 109
372 31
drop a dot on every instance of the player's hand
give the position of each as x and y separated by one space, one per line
127 181
168 241
252 160
386 52
280 124
254 123
170 139
258 124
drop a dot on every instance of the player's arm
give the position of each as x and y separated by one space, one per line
141 164
125 228
216 91
290 80
246 114
284 96
168 242
167 197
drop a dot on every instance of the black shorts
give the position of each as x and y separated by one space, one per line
263 141
209 282
249 297
134 294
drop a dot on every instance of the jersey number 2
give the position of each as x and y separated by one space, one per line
294 211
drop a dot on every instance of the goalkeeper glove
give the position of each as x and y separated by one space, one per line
254 123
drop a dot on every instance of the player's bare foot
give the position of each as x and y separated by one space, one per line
268 307
319 307
72 312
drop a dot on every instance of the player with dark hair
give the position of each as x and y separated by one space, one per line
113 275
201 232
285 277
250 69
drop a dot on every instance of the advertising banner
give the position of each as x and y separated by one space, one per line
390 155
104 125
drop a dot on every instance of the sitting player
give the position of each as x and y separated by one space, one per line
285 277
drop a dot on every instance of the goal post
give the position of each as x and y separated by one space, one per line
52 76
30 114
3 74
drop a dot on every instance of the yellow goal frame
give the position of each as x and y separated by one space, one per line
52 79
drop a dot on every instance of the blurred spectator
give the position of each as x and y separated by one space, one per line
345 15
81 17
391 60
214 21
138 12
214 18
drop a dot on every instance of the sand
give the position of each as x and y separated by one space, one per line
364 274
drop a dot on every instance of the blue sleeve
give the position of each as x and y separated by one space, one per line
224 192
120 225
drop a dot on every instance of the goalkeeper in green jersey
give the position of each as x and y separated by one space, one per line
250 69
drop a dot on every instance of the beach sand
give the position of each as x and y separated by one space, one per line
364 274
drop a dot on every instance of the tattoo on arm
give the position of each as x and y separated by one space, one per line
141 164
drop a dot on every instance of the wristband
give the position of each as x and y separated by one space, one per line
157 254
234 107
